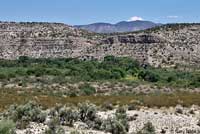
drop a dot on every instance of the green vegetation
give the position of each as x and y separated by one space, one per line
117 124
147 129
54 127
60 115
23 114
7 127
121 116
86 89
110 69
113 126
86 74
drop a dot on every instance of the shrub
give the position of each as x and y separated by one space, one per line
118 73
87 111
23 114
23 59
86 89
37 71
171 79
3 76
67 116
101 74
54 72
179 109
195 81
54 127
20 72
96 124
147 129
113 126
75 132
121 116
148 76
118 124
132 107
7 127
107 106
72 93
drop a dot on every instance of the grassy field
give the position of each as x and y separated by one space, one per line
9 97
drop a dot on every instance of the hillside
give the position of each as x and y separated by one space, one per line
167 46
49 66
124 26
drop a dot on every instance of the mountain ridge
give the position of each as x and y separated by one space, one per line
123 26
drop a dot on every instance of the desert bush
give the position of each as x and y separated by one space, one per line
113 126
96 123
37 71
148 76
54 127
3 76
53 112
54 72
121 116
195 81
118 73
75 132
87 89
87 111
87 114
179 109
101 74
107 106
23 114
68 115
72 93
23 59
147 129
117 124
132 106
20 72
7 127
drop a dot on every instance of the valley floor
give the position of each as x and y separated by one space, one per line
59 93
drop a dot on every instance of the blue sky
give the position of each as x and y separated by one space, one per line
89 11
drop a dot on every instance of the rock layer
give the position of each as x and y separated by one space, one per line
164 46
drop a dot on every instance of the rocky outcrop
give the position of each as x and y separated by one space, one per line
133 39
165 46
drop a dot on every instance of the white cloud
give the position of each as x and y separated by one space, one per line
135 18
172 17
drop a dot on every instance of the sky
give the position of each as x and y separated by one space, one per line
76 12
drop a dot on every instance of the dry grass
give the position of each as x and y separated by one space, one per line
9 97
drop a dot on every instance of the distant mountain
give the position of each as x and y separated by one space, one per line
124 26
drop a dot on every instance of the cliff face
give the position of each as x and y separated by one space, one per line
41 40
163 46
